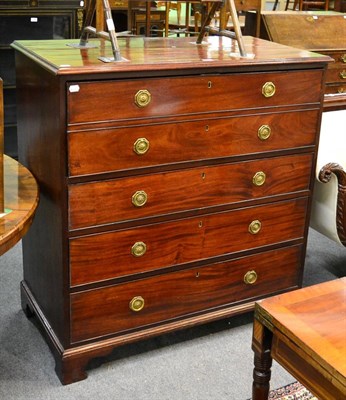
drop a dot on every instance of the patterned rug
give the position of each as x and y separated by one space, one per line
294 391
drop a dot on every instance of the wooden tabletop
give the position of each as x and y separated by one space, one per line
20 200
314 318
157 54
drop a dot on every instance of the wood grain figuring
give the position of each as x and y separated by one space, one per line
175 101
316 316
166 192
106 310
99 151
166 54
308 327
82 256
108 255
306 370
292 29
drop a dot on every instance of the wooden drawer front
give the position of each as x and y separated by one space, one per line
336 75
116 200
336 71
112 101
339 59
106 311
109 255
333 89
101 151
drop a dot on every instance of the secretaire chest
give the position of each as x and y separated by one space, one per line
175 185
293 28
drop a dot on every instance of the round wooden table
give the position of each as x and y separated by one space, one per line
21 197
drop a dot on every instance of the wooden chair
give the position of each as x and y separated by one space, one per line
186 26
171 6
111 35
328 215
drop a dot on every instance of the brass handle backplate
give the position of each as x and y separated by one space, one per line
138 249
137 303
141 146
268 89
142 98
250 277
139 198
343 74
264 132
259 178
255 227
343 58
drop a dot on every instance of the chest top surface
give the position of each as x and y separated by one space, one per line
176 55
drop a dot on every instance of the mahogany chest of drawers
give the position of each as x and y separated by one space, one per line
175 185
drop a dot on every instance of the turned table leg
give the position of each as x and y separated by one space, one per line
261 345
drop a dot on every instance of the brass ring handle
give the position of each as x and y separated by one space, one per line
268 89
142 98
138 249
264 132
141 146
250 277
137 304
255 227
343 58
259 178
139 198
343 74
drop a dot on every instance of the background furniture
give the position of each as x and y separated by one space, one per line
20 202
305 5
294 28
251 5
328 214
340 5
121 16
18 195
1 147
30 19
172 194
157 19
304 331
132 16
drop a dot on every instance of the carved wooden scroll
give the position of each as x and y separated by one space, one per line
325 176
